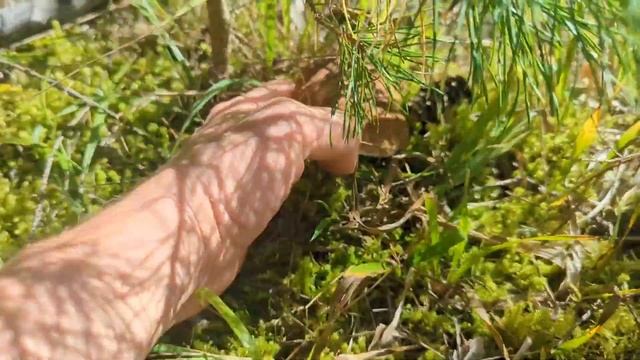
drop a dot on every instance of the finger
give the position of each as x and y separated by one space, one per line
343 165
254 99
334 152
319 129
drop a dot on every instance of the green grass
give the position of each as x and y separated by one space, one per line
447 244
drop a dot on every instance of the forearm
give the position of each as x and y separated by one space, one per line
109 287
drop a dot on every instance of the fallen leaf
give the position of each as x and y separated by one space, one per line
588 133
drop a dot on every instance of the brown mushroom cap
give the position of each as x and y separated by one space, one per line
383 136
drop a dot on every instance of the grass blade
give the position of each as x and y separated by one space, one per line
229 317
90 149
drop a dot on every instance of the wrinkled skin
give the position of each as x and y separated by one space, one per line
109 287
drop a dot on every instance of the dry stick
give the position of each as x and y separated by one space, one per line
416 209
219 34
67 90
606 200
609 165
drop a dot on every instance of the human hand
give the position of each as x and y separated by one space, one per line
110 286
387 130
240 167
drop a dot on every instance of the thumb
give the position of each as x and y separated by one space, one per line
331 150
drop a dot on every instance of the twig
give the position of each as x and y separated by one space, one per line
67 90
219 34
606 200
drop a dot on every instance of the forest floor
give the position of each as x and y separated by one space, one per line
482 239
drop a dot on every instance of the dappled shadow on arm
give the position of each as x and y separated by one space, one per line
109 287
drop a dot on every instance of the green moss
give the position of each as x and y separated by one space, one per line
542 326
286 296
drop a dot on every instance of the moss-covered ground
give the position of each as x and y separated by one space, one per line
483 239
